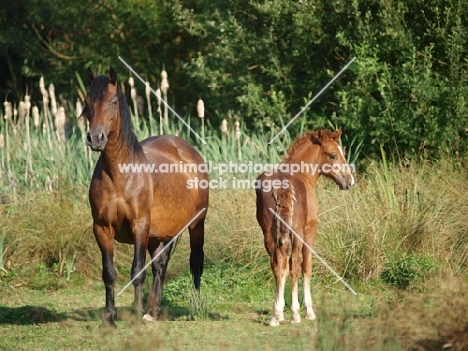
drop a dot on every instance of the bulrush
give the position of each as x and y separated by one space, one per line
36 117
164 89
133 95
201 114
238 136
53 100
60 120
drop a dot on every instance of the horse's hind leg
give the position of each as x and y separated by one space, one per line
295 267
279 265
159 267
197 255
309 238
105 239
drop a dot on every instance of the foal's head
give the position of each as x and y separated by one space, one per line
332 160
101 108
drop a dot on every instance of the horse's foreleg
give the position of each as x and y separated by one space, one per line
295 268
140 232
197 255
105 239
158 267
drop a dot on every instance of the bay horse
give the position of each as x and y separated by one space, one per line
140 207
292 198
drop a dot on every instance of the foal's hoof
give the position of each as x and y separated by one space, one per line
149 318
296 319
274 322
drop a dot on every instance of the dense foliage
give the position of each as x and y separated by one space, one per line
261 61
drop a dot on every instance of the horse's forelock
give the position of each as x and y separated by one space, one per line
98 87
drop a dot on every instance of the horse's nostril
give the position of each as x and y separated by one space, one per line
88 137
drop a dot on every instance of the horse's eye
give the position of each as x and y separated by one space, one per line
333 156
114 102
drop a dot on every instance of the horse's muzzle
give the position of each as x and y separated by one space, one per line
97 139
345 182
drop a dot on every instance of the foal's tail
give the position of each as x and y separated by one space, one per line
284 201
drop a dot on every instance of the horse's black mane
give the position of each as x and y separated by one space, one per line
97 90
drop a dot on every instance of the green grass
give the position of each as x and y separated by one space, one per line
41 309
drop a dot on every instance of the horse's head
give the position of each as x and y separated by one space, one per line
332 160
101 108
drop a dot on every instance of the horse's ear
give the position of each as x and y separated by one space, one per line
112 76
336 134
89 75
317 137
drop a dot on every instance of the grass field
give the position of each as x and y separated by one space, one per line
44 306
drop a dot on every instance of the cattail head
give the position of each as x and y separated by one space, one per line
164 82
147 90
201 108
35 114
15 112
2 141
27 101
22 109
224 127
78 108
158 96
131 82
53 100
41 84
8 110
60 123
238 132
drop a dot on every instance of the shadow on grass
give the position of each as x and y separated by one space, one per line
26 315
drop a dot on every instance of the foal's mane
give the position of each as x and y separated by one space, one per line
97 90
300 142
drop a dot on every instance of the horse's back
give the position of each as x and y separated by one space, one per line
268 195
170 148
176 198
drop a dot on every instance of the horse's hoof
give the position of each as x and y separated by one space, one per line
296 319
274 322
311 316
149 318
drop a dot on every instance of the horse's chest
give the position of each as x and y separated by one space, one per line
114 212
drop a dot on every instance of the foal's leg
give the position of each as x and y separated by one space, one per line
158 267
105 239
295 268
197 255
279 265
309 238
140 232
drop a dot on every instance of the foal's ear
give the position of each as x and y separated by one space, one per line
112 76
335 135
317 137
89 75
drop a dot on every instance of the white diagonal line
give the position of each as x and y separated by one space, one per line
162 100
160 252
313 251
313 99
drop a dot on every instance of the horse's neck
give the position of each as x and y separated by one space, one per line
309 155
121 150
